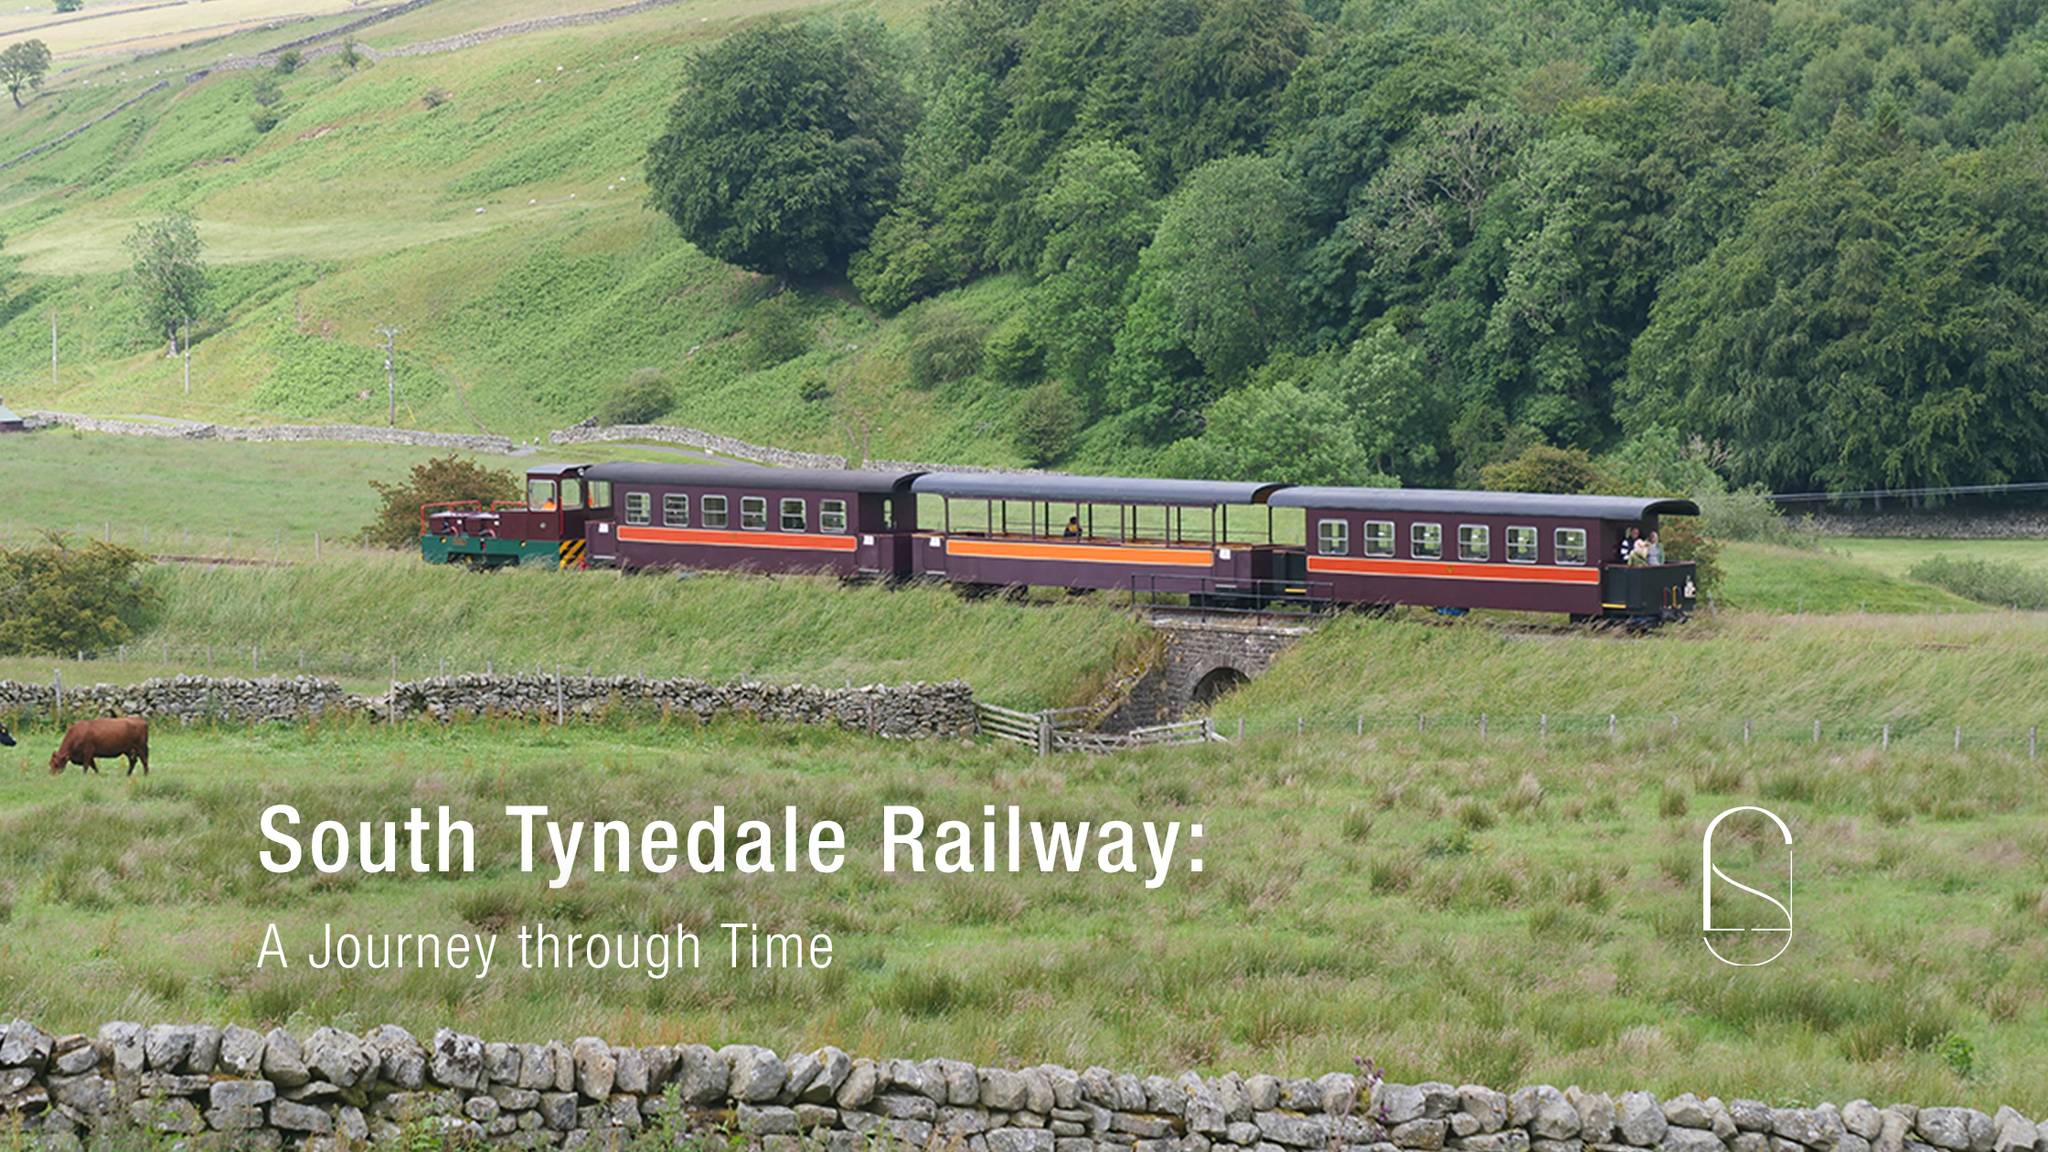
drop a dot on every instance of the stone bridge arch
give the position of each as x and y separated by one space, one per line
1204 656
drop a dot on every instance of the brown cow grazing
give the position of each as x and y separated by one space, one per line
88 740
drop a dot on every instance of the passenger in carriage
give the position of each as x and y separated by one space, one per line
1628 544
1073 529
1656 548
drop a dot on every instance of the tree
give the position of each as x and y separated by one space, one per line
1098 215
23 66
69 5
58 599
785 146
1045 422
441 479
169 277
1278 433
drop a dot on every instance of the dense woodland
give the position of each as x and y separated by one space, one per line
1411 238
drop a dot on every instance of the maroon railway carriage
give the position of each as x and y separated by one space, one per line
1077 532
1521 551
761 519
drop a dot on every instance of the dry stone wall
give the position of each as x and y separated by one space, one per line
903 711
236 1087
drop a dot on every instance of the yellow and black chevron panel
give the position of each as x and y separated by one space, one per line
572 554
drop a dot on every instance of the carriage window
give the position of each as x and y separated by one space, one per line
1475 542
832 515
793 515
1570 545
1426 541
1333 537
540 495
1521 545
1379 537
754 513
572 495
675 510
600 494
714 511
639 507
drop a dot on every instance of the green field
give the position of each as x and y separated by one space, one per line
1895 557
1507 915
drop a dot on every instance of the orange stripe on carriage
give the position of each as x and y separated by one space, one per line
811 541
1081 553
1453 570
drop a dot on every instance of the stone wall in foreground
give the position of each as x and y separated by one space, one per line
901 710
329 1090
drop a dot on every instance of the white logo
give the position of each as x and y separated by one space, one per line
1734 938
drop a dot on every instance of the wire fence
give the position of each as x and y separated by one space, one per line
1903 733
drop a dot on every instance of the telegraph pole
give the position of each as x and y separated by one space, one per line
390 334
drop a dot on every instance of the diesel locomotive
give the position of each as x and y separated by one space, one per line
1214 543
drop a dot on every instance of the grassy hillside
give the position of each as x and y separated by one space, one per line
350 617
1507 915
504 229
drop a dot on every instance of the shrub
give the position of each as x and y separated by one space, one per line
642 399
1685 539
900 265
1013 354
1542 468
435 97
448 477
263 119
1750 514
288 61
776 331
945 346
1045 423
265 91
2002 583
58 599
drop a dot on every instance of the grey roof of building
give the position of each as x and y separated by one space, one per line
1450 501
1054 488
752 476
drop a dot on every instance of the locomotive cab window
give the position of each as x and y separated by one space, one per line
714 511
1569 545
793 515
832 515
1333 537
754 513
1475 542
675 510
540 495
639 507
600 495
1521 545
1426 541
1379 537
572 495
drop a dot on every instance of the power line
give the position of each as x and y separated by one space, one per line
1910 493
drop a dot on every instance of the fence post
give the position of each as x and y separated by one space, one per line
1610 725
57 712
561 705
1959 737
316 547
1045 733
391 701
1745 729
2031 734
1482 725
1299 724
1240 728
1543 726
1816 731
1421 722
1361 724
1887 738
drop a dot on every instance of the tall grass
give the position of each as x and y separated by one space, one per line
1375 898
2001 583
